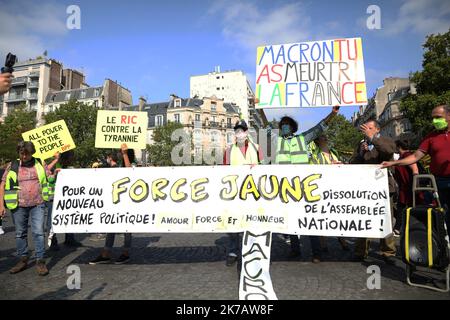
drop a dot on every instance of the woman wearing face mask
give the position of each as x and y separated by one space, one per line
242 152
24 188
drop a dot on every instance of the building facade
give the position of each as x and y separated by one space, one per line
208 121
385 108
109 96
231 86
33 80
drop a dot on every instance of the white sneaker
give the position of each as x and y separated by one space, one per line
1 230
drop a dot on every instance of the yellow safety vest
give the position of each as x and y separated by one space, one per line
291 151
238 158
319 157
12 184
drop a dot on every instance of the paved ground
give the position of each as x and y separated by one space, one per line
191 266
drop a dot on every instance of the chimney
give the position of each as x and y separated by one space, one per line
142 102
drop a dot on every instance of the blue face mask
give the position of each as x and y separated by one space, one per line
285 129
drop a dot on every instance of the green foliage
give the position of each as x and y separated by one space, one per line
17 122
343 136
81 120
433 84
159 153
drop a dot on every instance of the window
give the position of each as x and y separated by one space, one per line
177 103
83 94
50 108
213 107
177 117
198 150
67 96
197 134
96 92
95 103
158 121
229 122
197 117
229 138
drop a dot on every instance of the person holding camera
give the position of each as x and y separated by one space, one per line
5 82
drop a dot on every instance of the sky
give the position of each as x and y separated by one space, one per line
153 47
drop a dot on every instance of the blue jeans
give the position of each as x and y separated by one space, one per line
49 206
21 217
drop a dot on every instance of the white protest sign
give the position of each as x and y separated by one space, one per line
338 200
255 282
311 74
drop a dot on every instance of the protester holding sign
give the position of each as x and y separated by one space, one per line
374 149
24 188
241 152
61 161
324 154
291 149
105 257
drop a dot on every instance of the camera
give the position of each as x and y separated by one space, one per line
9 63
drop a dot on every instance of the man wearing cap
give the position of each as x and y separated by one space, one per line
243 151
292 149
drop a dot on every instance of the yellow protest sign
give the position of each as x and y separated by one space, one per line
49 139
117 127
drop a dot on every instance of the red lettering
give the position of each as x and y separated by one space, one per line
266 74
278 74
128 119
356 50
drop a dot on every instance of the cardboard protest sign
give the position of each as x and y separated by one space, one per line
311 74
255 282
338 200
49 139
117 127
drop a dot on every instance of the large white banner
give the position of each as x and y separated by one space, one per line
334 200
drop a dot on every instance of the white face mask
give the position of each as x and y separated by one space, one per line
396 156
241 136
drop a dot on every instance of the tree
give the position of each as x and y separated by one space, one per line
343 136
432 83
159 153
17 122
81 120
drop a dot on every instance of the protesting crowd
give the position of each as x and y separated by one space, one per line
28 184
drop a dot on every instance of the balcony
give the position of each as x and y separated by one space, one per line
214 124
13 97
32 96
34 74
33 84
18 81
229 126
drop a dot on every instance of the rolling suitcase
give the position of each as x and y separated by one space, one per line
424 240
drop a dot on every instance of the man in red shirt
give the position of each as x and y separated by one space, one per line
437 145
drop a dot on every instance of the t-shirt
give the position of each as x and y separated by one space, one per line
30 193
437 145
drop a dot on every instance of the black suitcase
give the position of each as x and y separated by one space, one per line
423 242
424 238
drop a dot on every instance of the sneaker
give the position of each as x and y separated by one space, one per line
396 233
100 260
231 259
122 259
1 230
20 266
41 268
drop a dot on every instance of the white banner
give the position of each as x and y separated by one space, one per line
334 200
255 282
